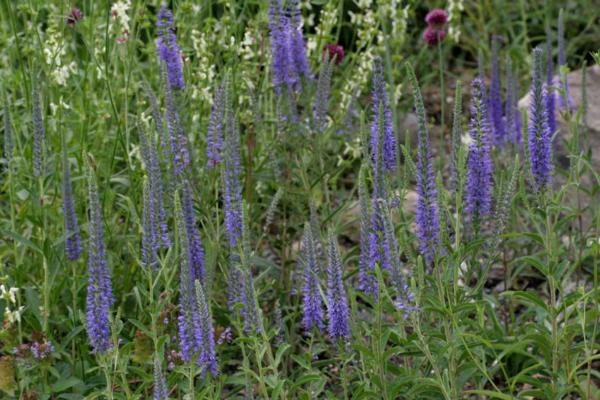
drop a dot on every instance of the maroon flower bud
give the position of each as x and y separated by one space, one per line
437 18
432 36
74 16
333 50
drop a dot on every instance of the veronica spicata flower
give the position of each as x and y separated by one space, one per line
72 235
337 303
495 97
427 213
167 48
479 162
540 149
311 296
99 290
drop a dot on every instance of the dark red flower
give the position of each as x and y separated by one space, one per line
432 36
437 18
334 50
74 16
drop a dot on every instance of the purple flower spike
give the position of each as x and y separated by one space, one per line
404 298
214 136
337 303
207 357
512 113
38 133
540 137
562 62
249 310
178 153
195 248
495 98
168 51
366 278
160 383
149 239
287 46
279 34
188 319
298 45
311 296
383 139
232 186
99 290
154 204
322 96
427 212
551 98
479 162
72 235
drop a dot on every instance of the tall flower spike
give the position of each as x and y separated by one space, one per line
99 290
207 357
512 113
381 126
149 240
366 278
167 48
479 189
337 303
158 217
551 97
214 135
279 27
72 235
177 139
311 296
540 149
427 212
322 96
298 45
457 132
8 139
287 45
241 284
232 185
404 298
38 133
188 323
195 248
160 383
564 100
495 98
249 308
157 115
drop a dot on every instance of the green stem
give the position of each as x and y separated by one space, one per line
442 93
46 287
191 376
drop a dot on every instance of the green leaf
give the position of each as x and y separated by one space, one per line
529 298
64 384
491 394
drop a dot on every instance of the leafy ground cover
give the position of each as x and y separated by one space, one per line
295 200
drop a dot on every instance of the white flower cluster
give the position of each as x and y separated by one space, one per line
10 296
119 22
54 53
328 19
455 7
205 72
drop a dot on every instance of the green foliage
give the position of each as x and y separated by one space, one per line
510 313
